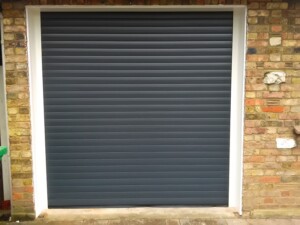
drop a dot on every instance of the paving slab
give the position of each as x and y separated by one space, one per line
295 221
141 213
203 222
236 222
185 221
138 222
172 222
270 222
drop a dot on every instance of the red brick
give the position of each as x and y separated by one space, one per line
285 193
269 179
276 28
257 43
263 36
274 65
257 130
273 94
268 200
255 159
275 109
28 189
289 116
252 123
254 102
258 58
17 196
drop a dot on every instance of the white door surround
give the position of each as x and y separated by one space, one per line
37 103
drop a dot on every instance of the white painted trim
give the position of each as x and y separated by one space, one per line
6 175
238 75
237 109
135 8
37 110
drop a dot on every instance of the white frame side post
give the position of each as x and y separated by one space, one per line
37 110
237 109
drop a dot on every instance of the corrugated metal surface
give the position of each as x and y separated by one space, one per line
137 108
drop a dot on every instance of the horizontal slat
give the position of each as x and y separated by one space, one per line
136 59
82 202
135 101
132 37
115 135
144 87
133 80
145 141
148 37
135 114
159 194
138 108
136 52
139 122
154 162
139 175
133 168
170 149
123 188
136 128
137 94
146 66
137 44
139 30
137 73
136 155
169 181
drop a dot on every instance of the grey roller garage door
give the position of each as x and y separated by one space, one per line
137 108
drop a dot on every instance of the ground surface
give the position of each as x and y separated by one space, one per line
153 216
162 222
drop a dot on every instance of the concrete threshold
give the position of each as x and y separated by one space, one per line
140 213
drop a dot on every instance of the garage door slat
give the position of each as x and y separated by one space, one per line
138 52
109 135
159 194
61 202
133 154
140 128
141 181
158 141
130 175
133 168
137 107
137 148
106 188
135 114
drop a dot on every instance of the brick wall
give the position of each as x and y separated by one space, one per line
271 176
18 107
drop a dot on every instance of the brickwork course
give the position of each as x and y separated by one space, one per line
271 177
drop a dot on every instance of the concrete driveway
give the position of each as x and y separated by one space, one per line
150 216
162 222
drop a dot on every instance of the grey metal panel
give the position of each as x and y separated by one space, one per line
137 108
